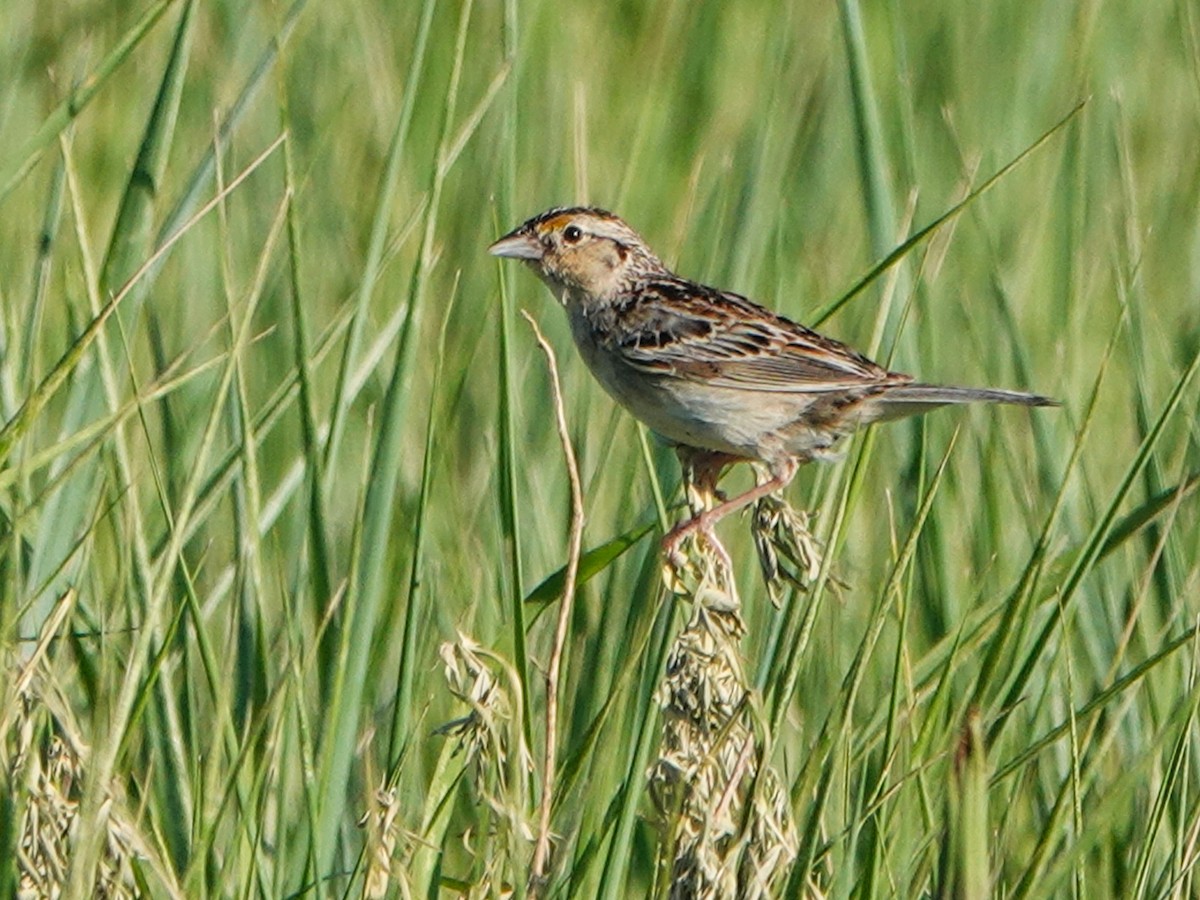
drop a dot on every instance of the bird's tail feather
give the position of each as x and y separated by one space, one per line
913 399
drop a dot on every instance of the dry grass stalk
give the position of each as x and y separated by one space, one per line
379 823
727 824
490 736
44 761
45 764
541 853
788 553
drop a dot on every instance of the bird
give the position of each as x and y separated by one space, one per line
719 376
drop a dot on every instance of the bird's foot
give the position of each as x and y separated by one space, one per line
696 565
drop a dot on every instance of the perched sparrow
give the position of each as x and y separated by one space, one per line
722 378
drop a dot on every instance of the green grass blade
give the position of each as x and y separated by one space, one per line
24 373
80 98
321 569
132 230
642 737
130 243
511 565
341 737
16 427
403 710
1101 532
591 564
902 250
967 819
379 229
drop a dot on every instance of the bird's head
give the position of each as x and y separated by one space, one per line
579 249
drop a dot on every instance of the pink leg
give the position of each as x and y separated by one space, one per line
704 521
701 471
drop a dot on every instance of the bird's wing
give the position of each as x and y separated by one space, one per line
675 327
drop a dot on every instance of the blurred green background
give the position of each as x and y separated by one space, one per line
264 455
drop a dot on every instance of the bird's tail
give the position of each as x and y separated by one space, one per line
913 399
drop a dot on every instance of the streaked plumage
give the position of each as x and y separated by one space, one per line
712 371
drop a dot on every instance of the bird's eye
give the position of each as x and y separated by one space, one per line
572 234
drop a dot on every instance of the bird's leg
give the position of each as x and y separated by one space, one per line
703 521
702 470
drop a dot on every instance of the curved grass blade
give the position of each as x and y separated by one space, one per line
1131 679
69 109
591 564
1133 522
902 250
403 709
16 427
379 230
130 242
131 233
1089 554
341 737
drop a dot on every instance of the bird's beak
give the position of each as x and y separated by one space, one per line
519 244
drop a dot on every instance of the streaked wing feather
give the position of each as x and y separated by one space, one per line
726 340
